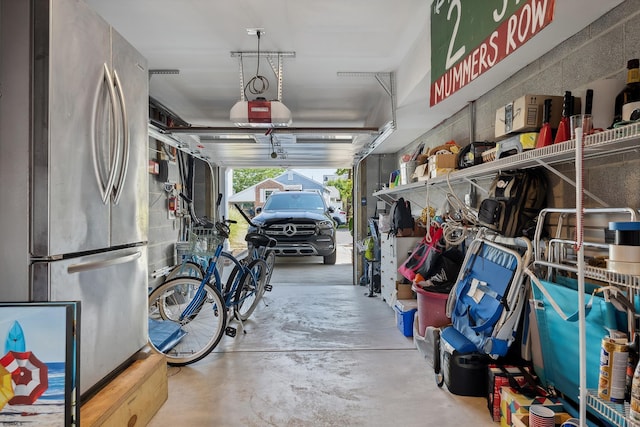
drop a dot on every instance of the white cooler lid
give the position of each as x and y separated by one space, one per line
406 304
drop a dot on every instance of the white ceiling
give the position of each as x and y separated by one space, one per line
377 38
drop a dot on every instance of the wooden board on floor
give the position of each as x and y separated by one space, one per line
132 398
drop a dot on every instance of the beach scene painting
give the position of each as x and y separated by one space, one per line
38 364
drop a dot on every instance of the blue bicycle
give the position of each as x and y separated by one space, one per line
188 315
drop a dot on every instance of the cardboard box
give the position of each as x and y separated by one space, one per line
404 291
513 403
497 380
525 114
443 161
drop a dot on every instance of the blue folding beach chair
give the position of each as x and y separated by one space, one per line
485 307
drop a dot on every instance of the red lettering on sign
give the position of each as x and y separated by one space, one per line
532 17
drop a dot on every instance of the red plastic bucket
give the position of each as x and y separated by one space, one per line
431 309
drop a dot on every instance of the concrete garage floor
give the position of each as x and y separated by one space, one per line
320 354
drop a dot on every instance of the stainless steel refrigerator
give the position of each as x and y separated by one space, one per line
73 163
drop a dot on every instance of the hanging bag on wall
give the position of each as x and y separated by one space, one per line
424 256
402 220
515 199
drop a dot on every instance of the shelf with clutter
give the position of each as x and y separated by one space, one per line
612 155
516 152
604 143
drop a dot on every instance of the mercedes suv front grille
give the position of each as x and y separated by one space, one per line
291 230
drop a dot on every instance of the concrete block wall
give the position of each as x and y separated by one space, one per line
599 51
163 232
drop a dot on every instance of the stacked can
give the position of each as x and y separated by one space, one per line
624 254
614 356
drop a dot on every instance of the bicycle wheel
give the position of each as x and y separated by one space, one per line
186 269
235 275
185 337
250 289
271 261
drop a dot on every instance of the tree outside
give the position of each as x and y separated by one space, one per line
245 178
345 188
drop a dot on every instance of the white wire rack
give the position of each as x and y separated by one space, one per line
616 413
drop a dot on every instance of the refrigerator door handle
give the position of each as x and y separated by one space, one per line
114 138
102 186
118 185
94 265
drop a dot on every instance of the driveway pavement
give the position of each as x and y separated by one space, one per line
311 270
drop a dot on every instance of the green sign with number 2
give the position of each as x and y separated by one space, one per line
468 37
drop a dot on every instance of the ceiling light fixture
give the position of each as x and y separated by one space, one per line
260 112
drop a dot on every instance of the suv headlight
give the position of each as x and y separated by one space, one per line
325 227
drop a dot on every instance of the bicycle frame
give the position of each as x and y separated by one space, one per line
181 308
212 272
198 298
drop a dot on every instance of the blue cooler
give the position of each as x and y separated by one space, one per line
405 312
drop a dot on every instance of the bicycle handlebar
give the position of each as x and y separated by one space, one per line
261 227
244 215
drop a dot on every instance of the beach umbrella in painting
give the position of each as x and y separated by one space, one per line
6 386
28 374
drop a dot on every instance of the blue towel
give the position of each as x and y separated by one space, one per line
165 334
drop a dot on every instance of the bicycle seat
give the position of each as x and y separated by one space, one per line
259 240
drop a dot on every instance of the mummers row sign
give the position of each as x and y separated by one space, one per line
469 37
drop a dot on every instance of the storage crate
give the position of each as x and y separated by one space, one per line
513 403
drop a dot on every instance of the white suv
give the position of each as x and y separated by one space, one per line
338 215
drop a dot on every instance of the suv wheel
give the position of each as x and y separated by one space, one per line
331 259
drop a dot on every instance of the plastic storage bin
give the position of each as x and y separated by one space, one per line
405 312
431 309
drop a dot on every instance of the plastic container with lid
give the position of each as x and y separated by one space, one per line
626 233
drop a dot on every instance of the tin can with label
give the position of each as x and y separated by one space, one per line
634 404
614 355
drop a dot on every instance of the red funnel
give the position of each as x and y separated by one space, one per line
564 133
545 139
